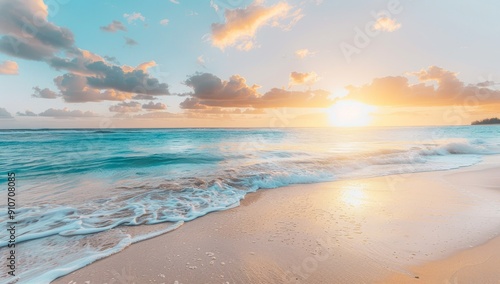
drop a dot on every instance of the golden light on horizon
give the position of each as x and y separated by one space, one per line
349 113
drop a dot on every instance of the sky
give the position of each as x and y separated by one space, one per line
244 63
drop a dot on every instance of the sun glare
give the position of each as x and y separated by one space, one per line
348 113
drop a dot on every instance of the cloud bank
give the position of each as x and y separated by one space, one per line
59 113
435 87
210 91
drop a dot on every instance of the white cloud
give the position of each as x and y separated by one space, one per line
134 17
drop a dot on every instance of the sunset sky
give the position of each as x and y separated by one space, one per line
242 63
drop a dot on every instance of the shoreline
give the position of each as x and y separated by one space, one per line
388 229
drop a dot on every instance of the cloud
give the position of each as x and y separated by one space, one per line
26 113
21 48
449 90
214 6
28 34
91 77
303 53
297 78
386 24
210 87
75 89
111 59
9 68
201 61
134 17
218 110
210 91
129 41
145 66
44 93
241 24
114 27
154 106
135 81
143 97
174 1
164 22
93 81
125 107
192 103
51 112
4 113
158 115
277 98
77 64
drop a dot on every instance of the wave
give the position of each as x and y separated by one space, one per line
79 164
456 148
187 198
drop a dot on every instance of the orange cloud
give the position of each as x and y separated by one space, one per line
386 24
9 68
303 53
297 78
144 66
449 90
241 24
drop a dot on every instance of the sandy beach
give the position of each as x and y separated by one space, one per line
433 227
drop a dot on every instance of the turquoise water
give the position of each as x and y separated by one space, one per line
79 191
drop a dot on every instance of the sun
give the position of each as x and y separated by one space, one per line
349 113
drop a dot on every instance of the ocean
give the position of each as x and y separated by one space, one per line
81 194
